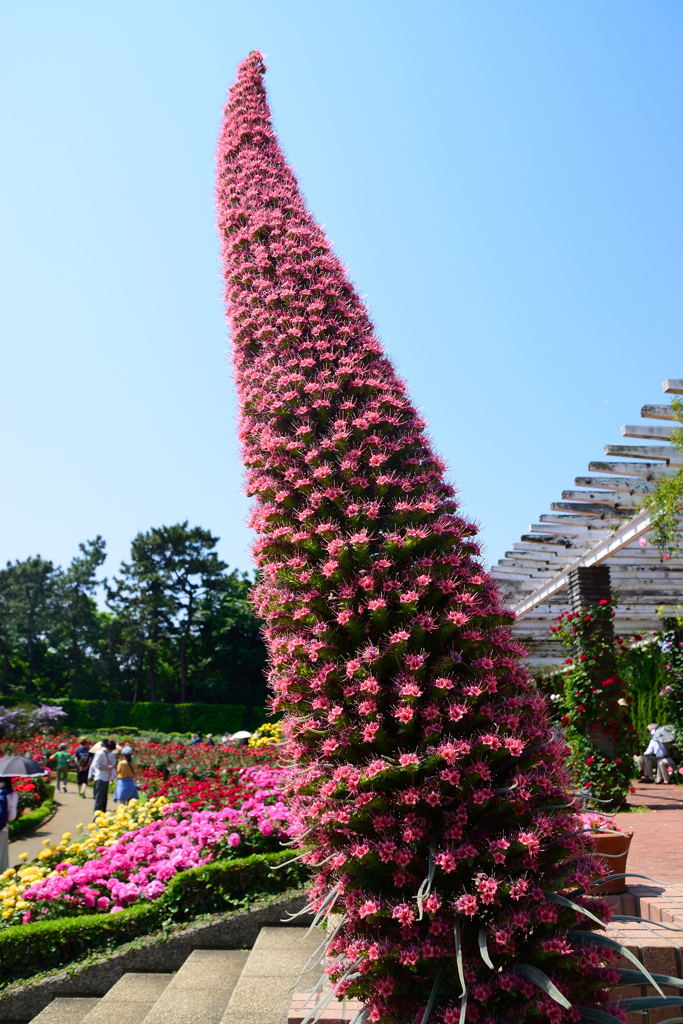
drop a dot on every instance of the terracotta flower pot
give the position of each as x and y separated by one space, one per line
613 846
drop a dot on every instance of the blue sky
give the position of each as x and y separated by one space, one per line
503 181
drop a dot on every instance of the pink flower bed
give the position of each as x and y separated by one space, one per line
142 862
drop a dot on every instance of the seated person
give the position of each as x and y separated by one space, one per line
666 767
648 760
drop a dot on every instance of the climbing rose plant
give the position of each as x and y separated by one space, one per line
427 785
672 691
596 708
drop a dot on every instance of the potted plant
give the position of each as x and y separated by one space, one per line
612 846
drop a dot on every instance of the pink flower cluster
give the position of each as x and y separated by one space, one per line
427 786
141 863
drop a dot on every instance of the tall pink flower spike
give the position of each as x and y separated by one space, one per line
428 788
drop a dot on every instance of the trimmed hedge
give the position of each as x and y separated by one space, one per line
211 888
32 819
86 715
642 668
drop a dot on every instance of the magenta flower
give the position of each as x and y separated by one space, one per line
417 740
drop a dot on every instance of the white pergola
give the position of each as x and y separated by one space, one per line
600 520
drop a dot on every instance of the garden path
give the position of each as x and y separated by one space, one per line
72 810
657 844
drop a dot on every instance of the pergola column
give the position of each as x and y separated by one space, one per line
587 587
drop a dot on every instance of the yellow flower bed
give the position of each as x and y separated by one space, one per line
269 732
107 827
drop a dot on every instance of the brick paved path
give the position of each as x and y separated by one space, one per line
657 844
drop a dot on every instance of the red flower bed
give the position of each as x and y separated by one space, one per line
204 776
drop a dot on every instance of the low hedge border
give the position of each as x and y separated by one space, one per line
33 819
209 889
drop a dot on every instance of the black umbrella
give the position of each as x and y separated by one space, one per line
23 767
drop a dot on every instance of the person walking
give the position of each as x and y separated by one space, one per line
125 780
61 760
103 766
83 757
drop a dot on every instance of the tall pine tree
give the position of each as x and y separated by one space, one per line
429 788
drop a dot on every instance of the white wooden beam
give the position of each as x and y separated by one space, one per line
629 531
603 497
647 432
559 539
616 483
580 545
648 470
658 412
607 522
564 537
588 509
672 387
646 451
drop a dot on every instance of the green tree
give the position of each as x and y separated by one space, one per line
230 653
157 598
76 631
27 605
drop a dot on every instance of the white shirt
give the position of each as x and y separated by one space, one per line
104 765
656 748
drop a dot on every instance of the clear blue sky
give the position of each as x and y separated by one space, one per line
503 181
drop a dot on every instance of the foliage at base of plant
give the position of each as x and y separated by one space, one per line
595 707
210 888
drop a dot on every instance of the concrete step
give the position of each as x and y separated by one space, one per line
65 1010
129 999
264 989
200 990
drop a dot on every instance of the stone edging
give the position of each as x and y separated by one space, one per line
160 952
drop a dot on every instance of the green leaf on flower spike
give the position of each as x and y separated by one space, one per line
629 977
484 950
595 939
542 981
458 958
598 1016
650 1002
556 897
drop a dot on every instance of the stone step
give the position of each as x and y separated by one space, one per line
129 1000
66 1010
199 992
263 992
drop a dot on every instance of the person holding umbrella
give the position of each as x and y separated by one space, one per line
4 825
11 767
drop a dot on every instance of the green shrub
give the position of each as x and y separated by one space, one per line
25 948
89 716
643 670
31 819
211 888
